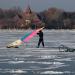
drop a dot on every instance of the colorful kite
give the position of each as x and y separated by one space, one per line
24 39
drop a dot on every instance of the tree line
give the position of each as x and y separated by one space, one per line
52 18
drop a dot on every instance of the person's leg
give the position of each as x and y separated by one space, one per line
43 43
39 43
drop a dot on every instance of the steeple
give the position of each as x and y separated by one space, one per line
28 10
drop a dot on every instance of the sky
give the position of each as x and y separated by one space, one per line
39 5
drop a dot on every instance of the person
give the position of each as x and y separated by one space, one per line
41 40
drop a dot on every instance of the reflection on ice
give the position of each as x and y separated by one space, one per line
51 72
15 62
57 73
17 71
58 63
13 71
47 57
38 62
64 59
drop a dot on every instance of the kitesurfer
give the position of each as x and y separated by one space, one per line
41 40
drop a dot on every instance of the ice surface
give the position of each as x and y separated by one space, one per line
29 60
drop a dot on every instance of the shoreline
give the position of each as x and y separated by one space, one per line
33 29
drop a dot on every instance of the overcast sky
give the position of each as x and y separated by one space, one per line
39 5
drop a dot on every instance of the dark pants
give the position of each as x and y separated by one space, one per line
41 41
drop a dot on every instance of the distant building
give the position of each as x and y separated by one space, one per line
26 19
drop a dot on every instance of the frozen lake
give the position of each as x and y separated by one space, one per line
29 60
